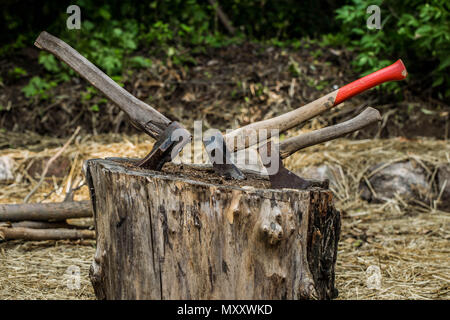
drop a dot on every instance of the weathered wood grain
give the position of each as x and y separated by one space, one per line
44 234
161 236
292 145
241 138
141 114
59 211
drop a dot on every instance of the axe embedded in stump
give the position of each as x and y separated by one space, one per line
170 135
280 177
174 237
239 138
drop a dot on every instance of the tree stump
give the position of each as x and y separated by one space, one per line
174 235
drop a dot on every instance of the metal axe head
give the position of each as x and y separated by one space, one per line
167 147
279 176
221 157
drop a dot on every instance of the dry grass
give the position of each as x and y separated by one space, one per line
39 270
408 242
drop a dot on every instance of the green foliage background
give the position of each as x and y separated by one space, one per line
115 33
415 30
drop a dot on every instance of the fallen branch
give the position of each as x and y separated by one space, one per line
47 166
45 225
47 234
45 211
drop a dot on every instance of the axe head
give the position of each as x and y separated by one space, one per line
221 157
279 176
167 147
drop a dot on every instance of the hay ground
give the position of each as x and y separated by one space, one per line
408 242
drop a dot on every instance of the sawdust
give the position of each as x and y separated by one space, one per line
408 242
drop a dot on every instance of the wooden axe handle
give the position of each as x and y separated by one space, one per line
141 114
396 71
292 145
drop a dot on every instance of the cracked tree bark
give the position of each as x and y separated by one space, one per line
161 236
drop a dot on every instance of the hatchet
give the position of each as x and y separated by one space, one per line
170 136
240 138
280 177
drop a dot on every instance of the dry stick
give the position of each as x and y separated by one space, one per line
47 166
223 17
440 194
47 234
44 225
45 211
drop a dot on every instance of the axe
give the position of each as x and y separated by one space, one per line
170 136
239 138
282 177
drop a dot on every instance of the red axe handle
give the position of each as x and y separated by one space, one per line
239 138
394 72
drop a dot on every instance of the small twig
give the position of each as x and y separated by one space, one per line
70 182
387 164
369 185
384 122
47 195
47 166
440 195
223 17
70 194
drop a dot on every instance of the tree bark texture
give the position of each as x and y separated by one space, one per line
161 236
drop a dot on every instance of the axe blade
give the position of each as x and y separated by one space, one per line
220 157
167 147
287 179
279 176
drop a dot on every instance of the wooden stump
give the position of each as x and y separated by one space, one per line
165 236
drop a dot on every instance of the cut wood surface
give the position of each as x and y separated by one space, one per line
47 234
45 211
164 236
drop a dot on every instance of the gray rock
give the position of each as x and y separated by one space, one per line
443 178
407 179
